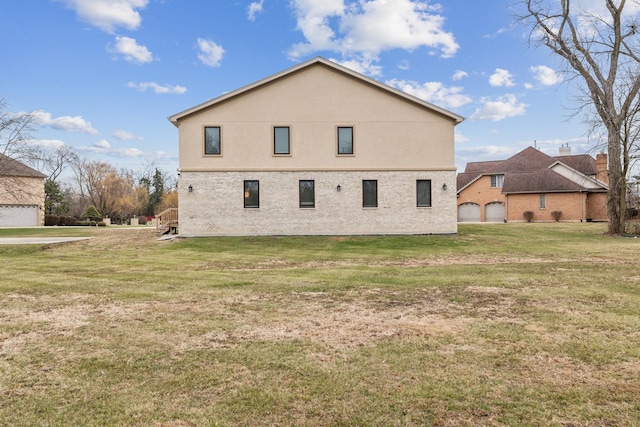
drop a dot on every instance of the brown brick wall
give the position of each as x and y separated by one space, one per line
572 206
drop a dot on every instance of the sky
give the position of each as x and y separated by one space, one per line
102 76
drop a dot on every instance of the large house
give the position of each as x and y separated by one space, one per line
316 149
566 187
21 194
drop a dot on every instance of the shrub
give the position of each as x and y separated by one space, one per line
51 220
556 215
68 220
528 215
102 224
632 227
142 220
632 212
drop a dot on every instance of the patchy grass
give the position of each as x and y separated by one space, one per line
510 324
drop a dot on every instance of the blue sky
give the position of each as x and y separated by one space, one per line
102 76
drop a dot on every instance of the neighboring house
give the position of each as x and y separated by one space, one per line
21 194
316 149
499 191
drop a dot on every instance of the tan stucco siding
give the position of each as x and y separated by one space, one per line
389 132
215 206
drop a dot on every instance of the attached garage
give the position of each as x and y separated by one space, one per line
19 216
469 212
494 212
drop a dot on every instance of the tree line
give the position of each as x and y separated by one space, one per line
73 184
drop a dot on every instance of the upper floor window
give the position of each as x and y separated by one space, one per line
345 140
369 193
212 140
307 194
252 194
496 181
543 201
423 192
281 140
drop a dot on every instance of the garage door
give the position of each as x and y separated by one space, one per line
468 212
18 216
494 212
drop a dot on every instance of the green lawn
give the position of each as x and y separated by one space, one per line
503 324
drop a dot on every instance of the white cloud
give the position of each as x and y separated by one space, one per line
361 65
254 8
132 51
109 14
157 88
210 53
502 108
102 144
66 123
124 135
434 92
545 75
459 75
47 143
366 28
501 78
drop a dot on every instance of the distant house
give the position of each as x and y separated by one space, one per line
316 149
21 194
498 191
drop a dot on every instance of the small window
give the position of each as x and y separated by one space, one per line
307 194
252 194
369 193
496 181
345 140
543 201
423 191
212 140
281 141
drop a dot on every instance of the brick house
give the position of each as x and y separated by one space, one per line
21 194
316 149
500 191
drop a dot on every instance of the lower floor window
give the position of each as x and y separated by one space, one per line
252 194
369 193
543 201
423 192
307 194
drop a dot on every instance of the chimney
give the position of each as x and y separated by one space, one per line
602 168
565 150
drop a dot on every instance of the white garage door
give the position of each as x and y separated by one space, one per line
468 212
18 216
494 212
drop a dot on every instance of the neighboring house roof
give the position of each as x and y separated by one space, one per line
532 171
12 167
314 62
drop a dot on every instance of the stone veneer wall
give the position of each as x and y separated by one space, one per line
216 204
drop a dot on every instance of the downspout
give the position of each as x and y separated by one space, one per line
581 207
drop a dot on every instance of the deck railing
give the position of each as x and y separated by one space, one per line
167 221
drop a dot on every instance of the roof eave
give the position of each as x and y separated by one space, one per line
175 118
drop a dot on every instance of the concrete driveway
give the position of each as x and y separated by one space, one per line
38 240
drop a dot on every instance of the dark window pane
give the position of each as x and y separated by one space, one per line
212 140
307 194
370 193
424 192
345 140
251 194
281 140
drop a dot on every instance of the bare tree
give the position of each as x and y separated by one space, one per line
600 50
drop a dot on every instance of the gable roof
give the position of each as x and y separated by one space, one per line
12 167
310 63
532 171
